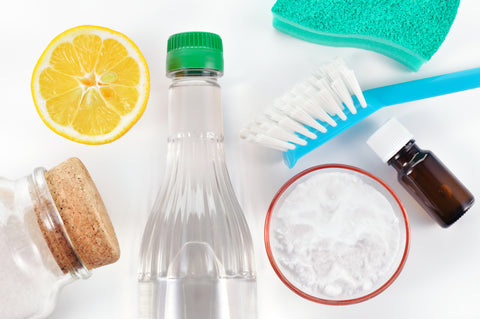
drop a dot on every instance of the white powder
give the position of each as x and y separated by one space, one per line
334 236
29 274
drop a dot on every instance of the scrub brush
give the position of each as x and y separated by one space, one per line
323 96
407 31
330 101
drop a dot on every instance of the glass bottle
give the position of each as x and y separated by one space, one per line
38 252
197 258
423 175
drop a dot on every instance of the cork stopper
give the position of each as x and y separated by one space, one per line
84 216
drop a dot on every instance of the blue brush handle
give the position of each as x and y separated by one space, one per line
386 96
425 88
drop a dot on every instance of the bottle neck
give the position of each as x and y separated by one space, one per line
52 227
195 107
405 156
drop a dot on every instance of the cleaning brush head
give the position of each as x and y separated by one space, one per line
407 31
310 108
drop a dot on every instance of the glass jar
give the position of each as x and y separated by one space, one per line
38 252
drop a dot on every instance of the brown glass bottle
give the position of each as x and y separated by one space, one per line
440 193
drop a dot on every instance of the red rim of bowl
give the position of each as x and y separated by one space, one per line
321 300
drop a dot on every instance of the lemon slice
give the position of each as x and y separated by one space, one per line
91 84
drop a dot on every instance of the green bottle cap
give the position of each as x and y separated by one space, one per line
194 50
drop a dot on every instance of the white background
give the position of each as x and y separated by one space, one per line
442 274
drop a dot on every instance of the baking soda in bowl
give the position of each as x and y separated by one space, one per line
337 234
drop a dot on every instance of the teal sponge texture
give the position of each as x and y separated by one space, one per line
409 31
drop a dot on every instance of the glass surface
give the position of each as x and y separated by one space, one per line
197 257
30 278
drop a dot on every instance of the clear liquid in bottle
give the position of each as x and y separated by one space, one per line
197 254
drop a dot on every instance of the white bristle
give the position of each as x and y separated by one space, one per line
269 141
334 101
324 94
341 90
305 102
351 80
272 129
330 79
311 104
316 105
288 106
329 71
288 123
318 102
330 104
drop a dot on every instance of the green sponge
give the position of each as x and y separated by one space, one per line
409 31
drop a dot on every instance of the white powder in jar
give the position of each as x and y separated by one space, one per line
28 271
334 236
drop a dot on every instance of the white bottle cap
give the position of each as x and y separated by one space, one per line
389 139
